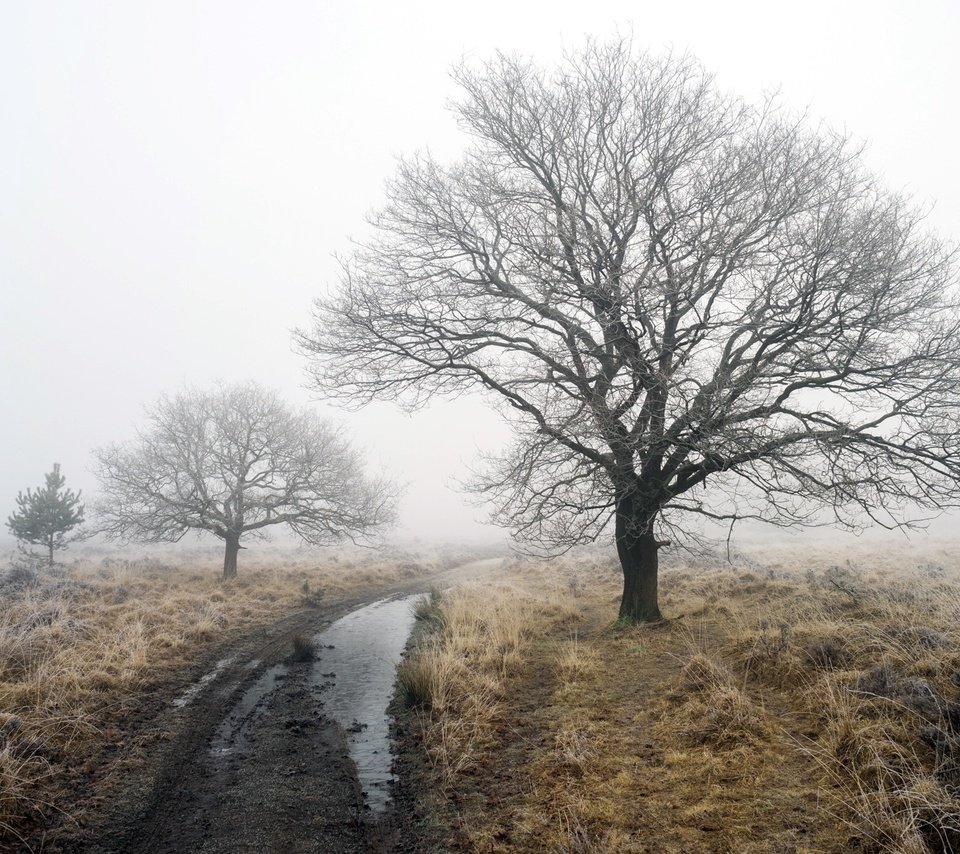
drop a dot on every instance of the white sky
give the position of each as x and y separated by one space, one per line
175 178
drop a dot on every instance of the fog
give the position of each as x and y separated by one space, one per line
177 178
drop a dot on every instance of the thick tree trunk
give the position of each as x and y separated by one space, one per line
638 549
231 550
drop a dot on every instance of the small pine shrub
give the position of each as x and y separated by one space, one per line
312 597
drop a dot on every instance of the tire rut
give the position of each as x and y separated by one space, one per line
252 763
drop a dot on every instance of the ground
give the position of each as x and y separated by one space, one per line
785 705
97 755
284 781
287 778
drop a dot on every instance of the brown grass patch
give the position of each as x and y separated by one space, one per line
794 708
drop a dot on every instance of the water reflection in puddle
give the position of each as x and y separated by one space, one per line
358 674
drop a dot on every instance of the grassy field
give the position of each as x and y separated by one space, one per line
89 651
791 702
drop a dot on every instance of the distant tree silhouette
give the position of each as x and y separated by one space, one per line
232 461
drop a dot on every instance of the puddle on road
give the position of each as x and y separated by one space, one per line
367 644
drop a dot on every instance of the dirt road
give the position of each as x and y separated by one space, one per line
251 762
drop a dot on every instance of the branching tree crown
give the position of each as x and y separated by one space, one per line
233 461
46 517
684 303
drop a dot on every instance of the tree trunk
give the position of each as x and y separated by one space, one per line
230 555
50 552
638 549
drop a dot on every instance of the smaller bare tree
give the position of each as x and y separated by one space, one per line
235 461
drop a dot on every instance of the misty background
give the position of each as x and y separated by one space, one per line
176 180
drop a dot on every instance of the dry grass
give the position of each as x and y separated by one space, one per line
86 650
457 677
796 707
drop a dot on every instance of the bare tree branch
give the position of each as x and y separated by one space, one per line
235 461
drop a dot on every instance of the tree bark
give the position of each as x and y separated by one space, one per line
231 550
638 549
50 552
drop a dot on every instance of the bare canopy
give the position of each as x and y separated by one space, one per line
684 304
235 461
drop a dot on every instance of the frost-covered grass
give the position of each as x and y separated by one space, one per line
796 701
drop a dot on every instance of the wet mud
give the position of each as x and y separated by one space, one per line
262 752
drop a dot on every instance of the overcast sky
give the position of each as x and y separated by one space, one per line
176 177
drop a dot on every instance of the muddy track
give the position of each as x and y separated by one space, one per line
251 762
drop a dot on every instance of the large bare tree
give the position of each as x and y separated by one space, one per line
685 305
233 461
